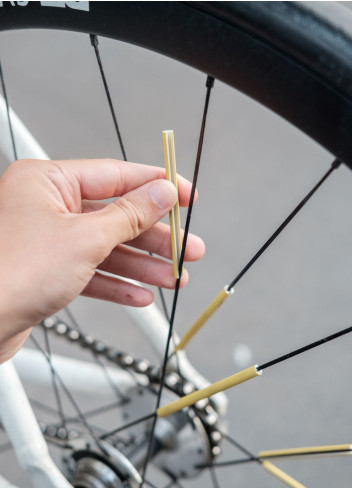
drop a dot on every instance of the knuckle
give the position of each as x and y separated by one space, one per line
134 215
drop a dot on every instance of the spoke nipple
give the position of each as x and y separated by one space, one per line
336 163
210 82
94 40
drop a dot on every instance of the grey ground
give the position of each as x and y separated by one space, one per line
255 168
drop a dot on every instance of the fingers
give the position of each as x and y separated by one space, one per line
126 262
103 179
114 290
157 240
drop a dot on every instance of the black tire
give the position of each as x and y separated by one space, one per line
295 58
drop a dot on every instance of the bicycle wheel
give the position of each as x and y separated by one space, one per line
301 100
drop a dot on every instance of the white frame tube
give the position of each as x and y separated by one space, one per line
88 377
24 433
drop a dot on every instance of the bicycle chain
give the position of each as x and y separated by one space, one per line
180 386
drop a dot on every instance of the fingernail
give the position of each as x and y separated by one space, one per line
163 194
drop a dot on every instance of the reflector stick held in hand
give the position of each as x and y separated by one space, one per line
174 214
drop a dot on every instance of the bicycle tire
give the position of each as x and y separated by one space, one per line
293 57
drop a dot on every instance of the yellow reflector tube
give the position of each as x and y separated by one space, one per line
209 311
304 450
280 474
212 389
174 214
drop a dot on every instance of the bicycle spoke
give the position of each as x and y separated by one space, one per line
8 112
239 378
99 410
227 463
95 43
305 348
213 476
228 290
54 382
268 466
209 86
72 419
44 407
98 361
128 425
240 447
70 397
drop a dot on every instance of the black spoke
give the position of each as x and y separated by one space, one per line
240 447
336 163
44 407
54 380
70 397
98 361
128 425
8 112
87 414
305 348
228 463
95 43
100 410
309 454
209 85
213 476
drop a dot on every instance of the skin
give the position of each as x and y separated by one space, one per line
56 238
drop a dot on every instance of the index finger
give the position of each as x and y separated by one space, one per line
105 178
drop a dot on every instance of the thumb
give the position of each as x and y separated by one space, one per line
134 212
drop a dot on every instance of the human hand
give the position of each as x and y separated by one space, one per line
54 237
